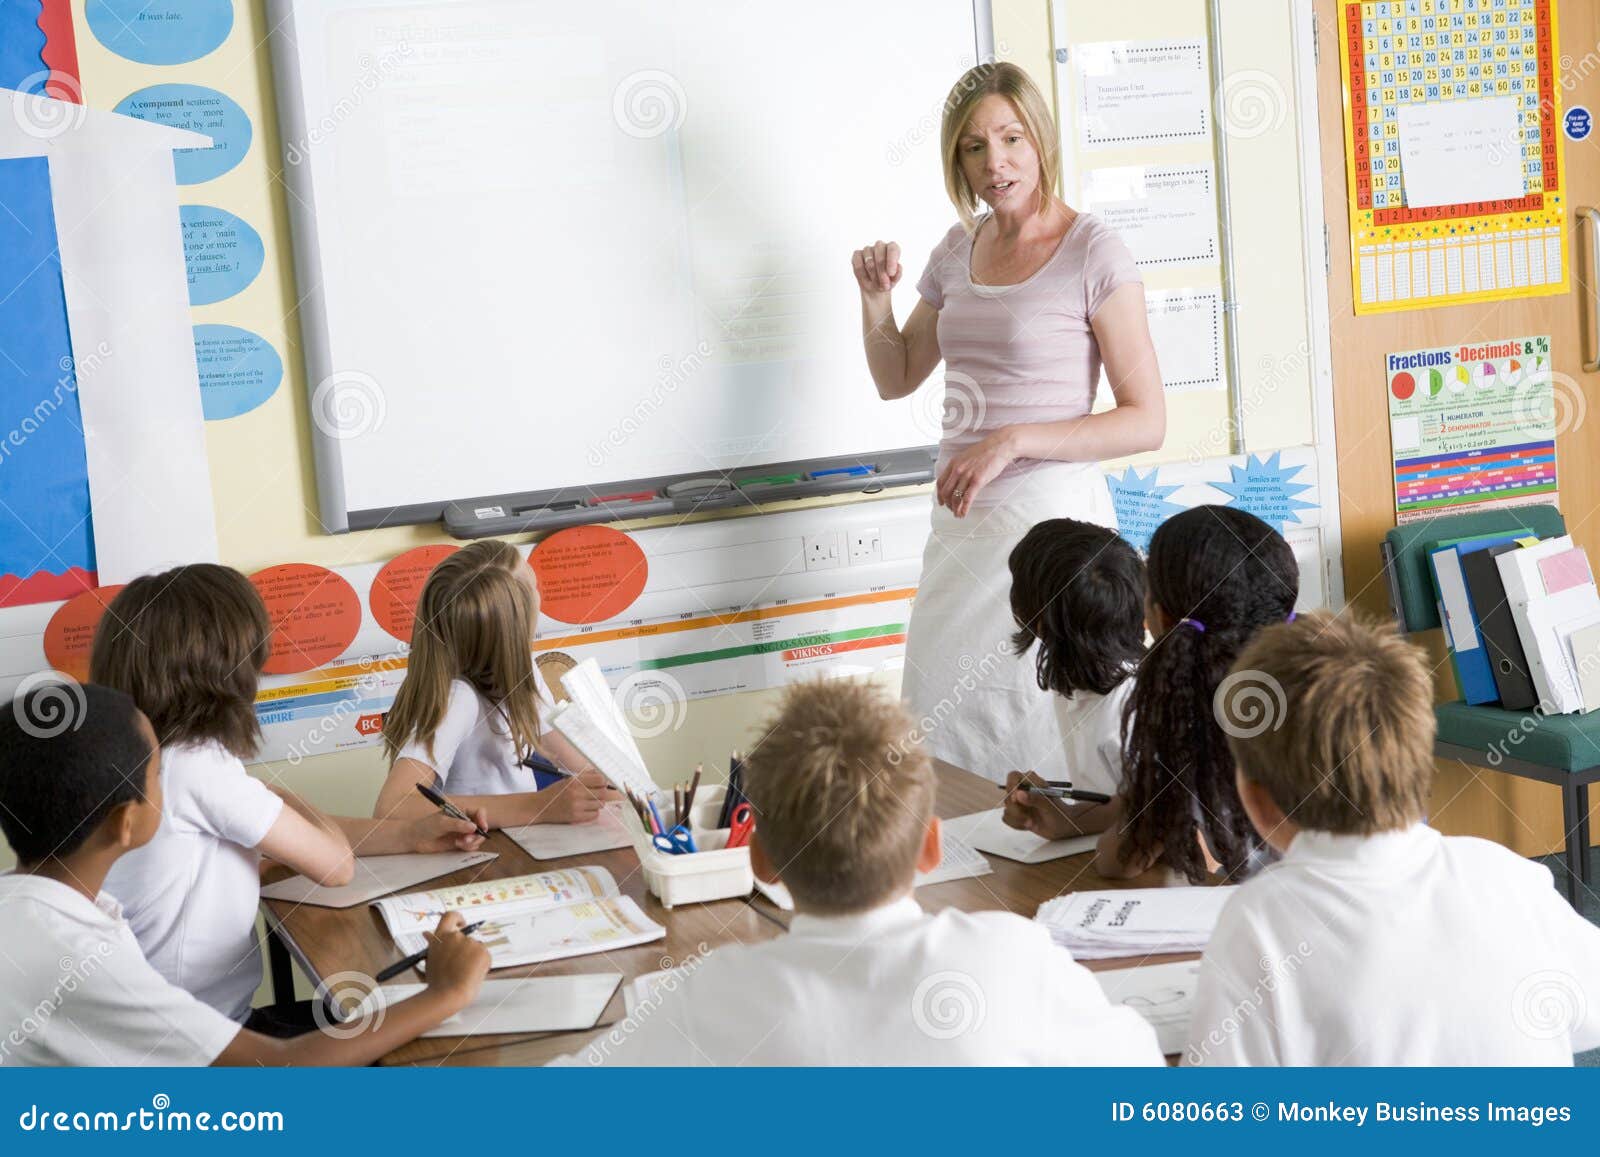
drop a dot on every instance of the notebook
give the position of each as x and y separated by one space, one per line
1134 921
987 832
1161 993
528 919
523 1004
375 876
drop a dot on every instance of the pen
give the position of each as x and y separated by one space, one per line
1059 789
417 958
449 808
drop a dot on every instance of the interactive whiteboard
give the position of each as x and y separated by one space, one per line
542 246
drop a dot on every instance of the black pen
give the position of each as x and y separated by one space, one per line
449 808
417 958
1059 789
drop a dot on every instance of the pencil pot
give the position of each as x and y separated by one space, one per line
714 872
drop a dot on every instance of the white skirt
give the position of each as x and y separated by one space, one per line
975 702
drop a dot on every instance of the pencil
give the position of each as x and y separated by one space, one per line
694 786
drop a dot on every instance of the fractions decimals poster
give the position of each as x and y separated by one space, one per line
1448 95
1473 425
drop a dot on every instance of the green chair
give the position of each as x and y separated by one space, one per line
1558 749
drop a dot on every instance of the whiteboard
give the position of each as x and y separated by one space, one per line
544 246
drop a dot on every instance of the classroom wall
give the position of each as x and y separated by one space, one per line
1523 815
264 487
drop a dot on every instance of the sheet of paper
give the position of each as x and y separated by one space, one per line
1165 214
987 832
517 1005
1132 94
960 861
1584 644
1562 571
1186 328
556 841
1161 993
126 286
1456 152
375 876
594 739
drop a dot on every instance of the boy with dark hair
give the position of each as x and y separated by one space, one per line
80 786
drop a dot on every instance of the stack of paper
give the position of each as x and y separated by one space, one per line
591 719
1556 607
1134 921
1161 993
528 919
987 832
375 876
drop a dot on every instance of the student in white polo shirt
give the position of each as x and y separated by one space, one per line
844 803
1376 940
80 786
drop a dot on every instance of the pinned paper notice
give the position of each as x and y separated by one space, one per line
1460 151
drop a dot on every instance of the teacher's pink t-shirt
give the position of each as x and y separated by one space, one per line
1021 353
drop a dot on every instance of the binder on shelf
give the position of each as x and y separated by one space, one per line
1498 628
1469 657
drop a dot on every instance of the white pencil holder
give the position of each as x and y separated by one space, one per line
715 872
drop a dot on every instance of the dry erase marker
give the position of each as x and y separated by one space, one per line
1059 789
772 480
449 808
841 471
636 496
417 958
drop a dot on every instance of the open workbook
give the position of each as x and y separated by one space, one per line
528 919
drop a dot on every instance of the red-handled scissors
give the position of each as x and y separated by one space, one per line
740 825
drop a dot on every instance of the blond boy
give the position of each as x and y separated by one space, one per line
1376 940
865 976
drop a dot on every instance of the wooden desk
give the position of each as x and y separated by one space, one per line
326 941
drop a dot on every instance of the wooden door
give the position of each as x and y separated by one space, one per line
1467 800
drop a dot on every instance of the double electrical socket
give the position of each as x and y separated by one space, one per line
828 549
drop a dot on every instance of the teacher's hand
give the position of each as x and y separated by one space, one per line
971 470
877 267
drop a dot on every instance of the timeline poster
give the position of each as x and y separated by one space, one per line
1471 426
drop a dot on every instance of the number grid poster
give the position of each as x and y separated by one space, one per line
1456 62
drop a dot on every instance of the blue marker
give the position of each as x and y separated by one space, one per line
841 471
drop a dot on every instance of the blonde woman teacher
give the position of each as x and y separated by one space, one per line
1024 303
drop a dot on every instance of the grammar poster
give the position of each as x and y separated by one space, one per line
1472 425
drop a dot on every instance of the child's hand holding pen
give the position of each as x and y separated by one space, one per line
1033 805
457 963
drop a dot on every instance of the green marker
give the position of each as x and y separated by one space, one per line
771 480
